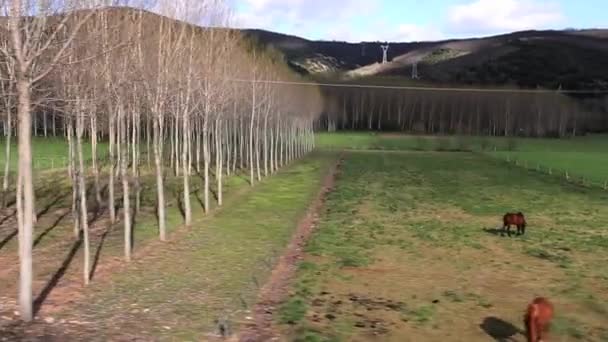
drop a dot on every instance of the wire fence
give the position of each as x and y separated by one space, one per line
569 176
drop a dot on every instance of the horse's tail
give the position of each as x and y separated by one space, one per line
530 322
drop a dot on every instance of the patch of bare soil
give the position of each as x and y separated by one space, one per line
275 291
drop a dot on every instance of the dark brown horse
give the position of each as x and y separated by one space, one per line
515 219
537 319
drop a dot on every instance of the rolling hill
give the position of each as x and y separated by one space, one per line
572 59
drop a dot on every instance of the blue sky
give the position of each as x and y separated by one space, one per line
410 20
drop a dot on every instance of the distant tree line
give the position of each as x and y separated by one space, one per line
424 111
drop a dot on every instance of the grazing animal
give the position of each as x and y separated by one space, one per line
516 219
537 319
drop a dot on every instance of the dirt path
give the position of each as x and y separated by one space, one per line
274 292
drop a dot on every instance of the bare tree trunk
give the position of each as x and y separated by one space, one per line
44 123
277 129
160 189
111 147
94 157
235 145
257 149
176 145
35 127
241 143
197 142
282 151
83 199
148 134
206 162
118 144
125 184
218 161
7 156
186 169
251 123
172 146
265 147
135 131
272 165
227 147
26 226
74 177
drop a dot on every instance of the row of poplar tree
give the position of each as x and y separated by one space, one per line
182 96
494 112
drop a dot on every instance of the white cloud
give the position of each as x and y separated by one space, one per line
401 33
329 19
497 16
410 32
361 20
304 15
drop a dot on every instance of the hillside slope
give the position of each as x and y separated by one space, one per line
572 59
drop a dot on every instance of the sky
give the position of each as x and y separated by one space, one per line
414 20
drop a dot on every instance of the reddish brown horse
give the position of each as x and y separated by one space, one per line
537 319
516 219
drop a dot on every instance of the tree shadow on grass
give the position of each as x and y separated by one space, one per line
499 329
214 193
199 199
212 179
8 217
8 238
133 225
98 253
50 228
57 276
51 204
180 203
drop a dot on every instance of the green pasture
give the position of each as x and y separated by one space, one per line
582 157
409 249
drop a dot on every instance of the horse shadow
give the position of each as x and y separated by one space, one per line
495 231
500 330
502 232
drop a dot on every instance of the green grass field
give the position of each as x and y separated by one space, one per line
48 153
390 141
582 156
407 250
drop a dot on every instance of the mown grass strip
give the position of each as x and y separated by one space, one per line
216 270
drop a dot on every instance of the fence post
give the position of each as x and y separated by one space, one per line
550 171
567 175
606 185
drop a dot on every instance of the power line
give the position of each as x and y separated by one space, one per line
464 90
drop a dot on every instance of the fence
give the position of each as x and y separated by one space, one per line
563 174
